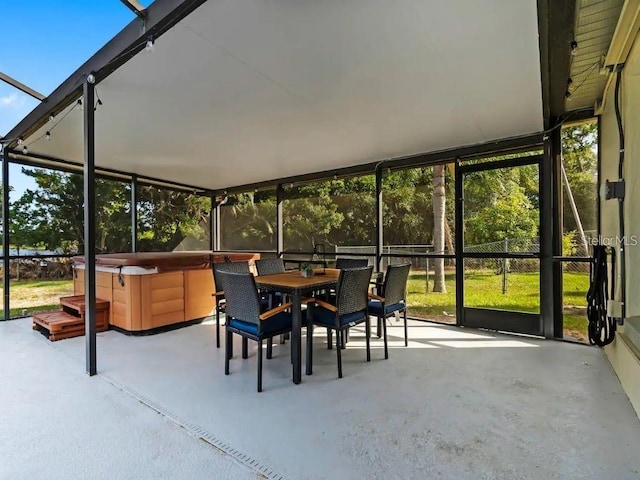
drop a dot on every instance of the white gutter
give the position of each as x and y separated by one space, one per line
621 44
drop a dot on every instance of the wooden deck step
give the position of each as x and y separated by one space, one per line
69 322
58 325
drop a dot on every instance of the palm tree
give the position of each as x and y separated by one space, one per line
439 220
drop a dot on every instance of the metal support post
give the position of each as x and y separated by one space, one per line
379 219
459 240
5 234
134 213
548 210
279 221
556 234
212 222
215 226
89 226
505 265
427 274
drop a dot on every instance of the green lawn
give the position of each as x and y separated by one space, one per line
36 295
483 288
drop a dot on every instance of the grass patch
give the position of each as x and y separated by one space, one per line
30 296
483 288
575 286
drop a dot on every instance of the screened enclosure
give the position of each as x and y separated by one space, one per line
495 258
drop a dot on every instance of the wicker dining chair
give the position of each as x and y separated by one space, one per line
342 263
271 266
245 317
239 267
350 309
391 298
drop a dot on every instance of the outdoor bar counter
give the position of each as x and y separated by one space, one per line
149 291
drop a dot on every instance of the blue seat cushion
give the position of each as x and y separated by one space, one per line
375 307
281 321
327 318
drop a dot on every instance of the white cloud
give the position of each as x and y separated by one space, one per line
13 107
10 100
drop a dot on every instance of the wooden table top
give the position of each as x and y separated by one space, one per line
294 279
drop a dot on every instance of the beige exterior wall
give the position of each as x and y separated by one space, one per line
623 353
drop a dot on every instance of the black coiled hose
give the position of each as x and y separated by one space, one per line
602 329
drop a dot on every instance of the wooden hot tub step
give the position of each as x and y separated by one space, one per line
58 325
69 322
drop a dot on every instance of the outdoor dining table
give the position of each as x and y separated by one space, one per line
296 286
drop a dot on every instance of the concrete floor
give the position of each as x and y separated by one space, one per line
455 404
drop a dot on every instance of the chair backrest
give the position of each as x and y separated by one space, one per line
342 263
237 267
395 283
269 266
241 294
352 289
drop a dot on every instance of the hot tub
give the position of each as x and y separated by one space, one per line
150 291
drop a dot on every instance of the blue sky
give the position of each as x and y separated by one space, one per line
45 41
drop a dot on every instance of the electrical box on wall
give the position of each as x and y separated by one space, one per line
609 190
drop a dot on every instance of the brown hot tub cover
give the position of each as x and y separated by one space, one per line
167 261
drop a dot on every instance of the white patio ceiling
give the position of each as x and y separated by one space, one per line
243 91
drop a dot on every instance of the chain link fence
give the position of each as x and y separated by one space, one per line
504 266
406 251
574 245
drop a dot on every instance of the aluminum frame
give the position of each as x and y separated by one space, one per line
163 15
21 86
5 236
89 229
518 322
134 213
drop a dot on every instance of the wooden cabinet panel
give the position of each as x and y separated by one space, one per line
198 287
166 294
169 306
167 280
125 303
162 299
167 319
104 282
78 282
150 301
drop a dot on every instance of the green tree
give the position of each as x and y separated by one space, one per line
166 217
407 197
21 229
501 204
580 159
56 205
249 221
310 216
439 221
510 216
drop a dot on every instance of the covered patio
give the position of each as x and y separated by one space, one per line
456 403
260 101
183 98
